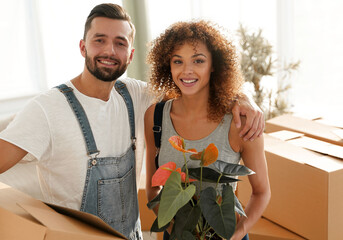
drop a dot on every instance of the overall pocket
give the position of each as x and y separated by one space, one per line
116 198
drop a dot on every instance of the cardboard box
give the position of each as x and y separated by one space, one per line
310 128
307 190
23 217
267 230
312 144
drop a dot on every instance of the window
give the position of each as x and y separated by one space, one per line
40 39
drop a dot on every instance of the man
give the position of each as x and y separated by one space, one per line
85 135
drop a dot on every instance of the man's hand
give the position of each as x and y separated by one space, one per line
254 125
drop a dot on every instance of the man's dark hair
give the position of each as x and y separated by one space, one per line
109 10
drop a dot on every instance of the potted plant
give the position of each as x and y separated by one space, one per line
197 213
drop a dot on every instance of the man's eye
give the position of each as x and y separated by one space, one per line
121 44
99 40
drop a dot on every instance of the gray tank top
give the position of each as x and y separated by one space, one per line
220 137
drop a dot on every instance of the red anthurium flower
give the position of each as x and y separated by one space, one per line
163 172
178 144
183 176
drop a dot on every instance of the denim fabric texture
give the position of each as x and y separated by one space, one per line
110 190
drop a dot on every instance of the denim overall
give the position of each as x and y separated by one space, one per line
110 190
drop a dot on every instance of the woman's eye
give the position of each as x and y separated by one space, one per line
177 62
199 61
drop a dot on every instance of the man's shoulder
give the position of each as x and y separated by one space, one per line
52 93
49 98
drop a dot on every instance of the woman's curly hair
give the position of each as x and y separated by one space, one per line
226 79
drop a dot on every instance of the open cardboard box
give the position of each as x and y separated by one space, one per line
307 190
23 217
310 128
312 144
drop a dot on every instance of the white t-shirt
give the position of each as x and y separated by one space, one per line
49 131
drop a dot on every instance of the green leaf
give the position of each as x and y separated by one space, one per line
173 198
172 235
238 207
155 228
186 219
231 169
186 235
155 201
209 175
221 217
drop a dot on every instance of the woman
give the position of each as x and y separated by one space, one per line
195 67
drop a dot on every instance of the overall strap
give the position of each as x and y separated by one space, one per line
81 117
157 128
123 91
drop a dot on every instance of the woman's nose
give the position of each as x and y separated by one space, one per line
188 68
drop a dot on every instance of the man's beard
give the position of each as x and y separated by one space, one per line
105 74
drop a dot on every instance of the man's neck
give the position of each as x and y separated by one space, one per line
90 86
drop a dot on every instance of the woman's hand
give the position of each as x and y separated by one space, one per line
254 125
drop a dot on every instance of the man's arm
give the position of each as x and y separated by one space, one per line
254 125
9 155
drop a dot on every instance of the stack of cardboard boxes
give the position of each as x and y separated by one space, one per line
305 165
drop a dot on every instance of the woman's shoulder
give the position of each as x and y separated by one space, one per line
235 140
150 110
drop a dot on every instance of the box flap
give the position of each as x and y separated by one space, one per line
318 146
58 235
61 223
338 132
326 163
87 218
14 227
295 153
9 197
287 150
308 127
338 122
286 135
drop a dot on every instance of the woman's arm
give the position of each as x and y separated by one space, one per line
253 156
150 154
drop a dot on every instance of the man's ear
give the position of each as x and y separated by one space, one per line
82 46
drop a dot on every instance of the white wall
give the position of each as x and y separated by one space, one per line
40 38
